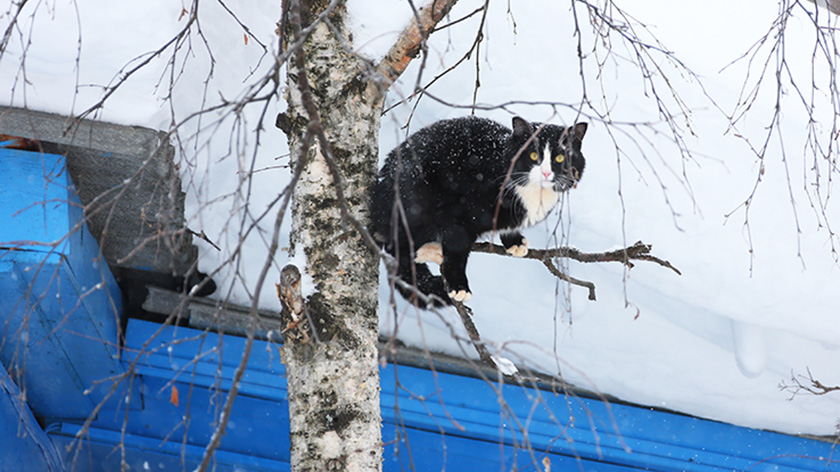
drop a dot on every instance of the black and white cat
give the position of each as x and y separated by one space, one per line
457 179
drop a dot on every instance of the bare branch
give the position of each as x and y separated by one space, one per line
811 385
294 306
475 338
549 264
411 39
638 251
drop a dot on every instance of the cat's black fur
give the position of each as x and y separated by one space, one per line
449 177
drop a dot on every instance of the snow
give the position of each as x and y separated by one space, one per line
757 301
505 365
750 348
376 29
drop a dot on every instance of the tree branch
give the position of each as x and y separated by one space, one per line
549 264
812 386
412 38
466 318
294 306
466 314
636 252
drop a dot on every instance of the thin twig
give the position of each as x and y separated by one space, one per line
638 251
812 386
549 264
466 318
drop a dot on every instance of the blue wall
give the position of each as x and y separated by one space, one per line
23 444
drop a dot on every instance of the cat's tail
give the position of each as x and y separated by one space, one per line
427 284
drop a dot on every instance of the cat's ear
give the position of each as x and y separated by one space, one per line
578 130
521 128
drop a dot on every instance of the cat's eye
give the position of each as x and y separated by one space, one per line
560 158
534 156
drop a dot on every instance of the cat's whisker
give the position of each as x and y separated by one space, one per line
511 178
564 182
521 179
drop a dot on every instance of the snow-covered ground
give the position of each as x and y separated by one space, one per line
755 303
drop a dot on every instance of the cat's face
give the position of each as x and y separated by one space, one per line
551 160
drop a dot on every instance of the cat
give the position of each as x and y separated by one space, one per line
459 179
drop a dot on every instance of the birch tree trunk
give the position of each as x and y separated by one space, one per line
332 370
335 101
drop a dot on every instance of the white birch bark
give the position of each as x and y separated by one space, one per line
332 358
333 378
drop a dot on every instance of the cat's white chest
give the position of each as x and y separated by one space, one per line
538 202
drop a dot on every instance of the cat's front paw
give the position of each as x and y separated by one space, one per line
429 252
460 295
518 250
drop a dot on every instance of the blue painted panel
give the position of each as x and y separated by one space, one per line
23 444
434 421
33 199
431 451
199 366
41 212
37 360
99 453
172 354
587 430
58 306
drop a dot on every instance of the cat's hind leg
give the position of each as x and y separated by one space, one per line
429 252
427 283
456 249
515 244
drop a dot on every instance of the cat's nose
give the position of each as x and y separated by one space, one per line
546 173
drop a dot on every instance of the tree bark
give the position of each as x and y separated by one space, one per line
335 101
332 371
